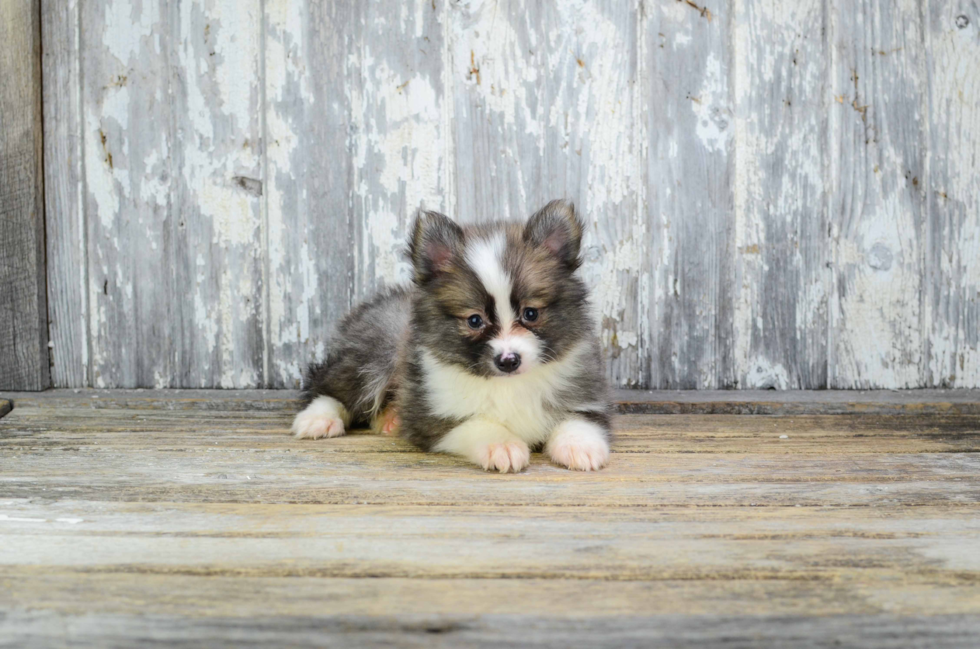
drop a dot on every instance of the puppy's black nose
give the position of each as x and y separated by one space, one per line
507 362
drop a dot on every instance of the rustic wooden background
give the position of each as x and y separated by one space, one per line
778 194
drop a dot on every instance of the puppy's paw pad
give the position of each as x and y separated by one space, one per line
504 457
315 426
390 422
579 448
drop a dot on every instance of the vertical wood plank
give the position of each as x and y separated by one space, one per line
689 112
544 108
781 242
878 158
359 137
952 241
172 106
67 272
23 307
128 144
218 249
307 191
400 135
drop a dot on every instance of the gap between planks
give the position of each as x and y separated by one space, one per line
736 402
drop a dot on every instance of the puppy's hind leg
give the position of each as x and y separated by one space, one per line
354 381
324 417
387 421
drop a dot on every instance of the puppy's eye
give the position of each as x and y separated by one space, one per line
530 314
474 321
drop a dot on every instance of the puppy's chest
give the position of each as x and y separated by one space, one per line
526 405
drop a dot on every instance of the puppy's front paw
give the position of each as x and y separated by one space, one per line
324 417
488 444
505 456
579 445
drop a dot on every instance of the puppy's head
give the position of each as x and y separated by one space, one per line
499 299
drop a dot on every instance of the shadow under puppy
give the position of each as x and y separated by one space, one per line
489 354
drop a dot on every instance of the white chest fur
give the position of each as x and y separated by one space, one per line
519 403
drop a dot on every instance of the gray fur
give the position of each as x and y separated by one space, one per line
360 370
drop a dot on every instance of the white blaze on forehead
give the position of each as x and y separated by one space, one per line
485 257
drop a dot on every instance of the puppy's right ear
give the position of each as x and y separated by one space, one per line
436 243
557 228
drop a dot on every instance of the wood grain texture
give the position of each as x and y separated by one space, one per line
878 198
64 188
130 192
127 516
216 170
172 225
420 604
778 195
23 299
797 402
399 132
781 243
952 237
308 183
689 123
451 631
652 402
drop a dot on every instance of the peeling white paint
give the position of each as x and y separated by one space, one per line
553 108
288 328
952 316
155 185
712 107
490 55
126 27
763 375
99 176
399 154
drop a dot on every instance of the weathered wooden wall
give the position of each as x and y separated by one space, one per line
23 313
778 194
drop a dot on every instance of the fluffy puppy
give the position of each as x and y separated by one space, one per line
490 353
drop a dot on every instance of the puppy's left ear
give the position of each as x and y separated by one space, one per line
557 229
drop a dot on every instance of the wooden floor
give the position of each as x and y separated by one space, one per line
192 518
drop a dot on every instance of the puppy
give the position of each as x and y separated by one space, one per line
489 354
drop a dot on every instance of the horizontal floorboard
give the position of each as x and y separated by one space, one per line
453 631
929 545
